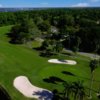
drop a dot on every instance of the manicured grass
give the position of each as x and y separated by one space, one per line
18 60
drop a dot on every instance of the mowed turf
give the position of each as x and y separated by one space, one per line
16 60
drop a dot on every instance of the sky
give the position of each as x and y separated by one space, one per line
49 3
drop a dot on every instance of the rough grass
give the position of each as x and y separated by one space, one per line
18 60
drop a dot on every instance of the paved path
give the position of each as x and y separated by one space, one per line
86 54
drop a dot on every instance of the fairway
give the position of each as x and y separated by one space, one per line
20 60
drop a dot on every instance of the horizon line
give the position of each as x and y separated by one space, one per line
54 7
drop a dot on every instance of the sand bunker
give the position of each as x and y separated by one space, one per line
23 85
70 62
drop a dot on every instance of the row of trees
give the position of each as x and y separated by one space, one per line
71 91
77 28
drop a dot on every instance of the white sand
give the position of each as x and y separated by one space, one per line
23 85
70 62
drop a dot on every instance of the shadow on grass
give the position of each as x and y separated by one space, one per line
57 95
71 74
3 94
46 54
37 48
81 77
43 52
13 39
68 73
53 79
44 95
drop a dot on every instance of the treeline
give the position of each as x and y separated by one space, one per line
76 29
15 17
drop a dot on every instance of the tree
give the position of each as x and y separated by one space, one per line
97 46
69 35
78 90
51 46
72 91
85 22
67 90
75 49
58 47
24 32
76 44
14 34
38 20
44 26
93 65
65 20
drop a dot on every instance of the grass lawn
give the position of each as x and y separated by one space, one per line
16 60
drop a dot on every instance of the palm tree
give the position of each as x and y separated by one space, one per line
78 90
93 65
74 90
67 91
97 46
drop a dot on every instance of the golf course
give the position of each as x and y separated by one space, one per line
20 60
